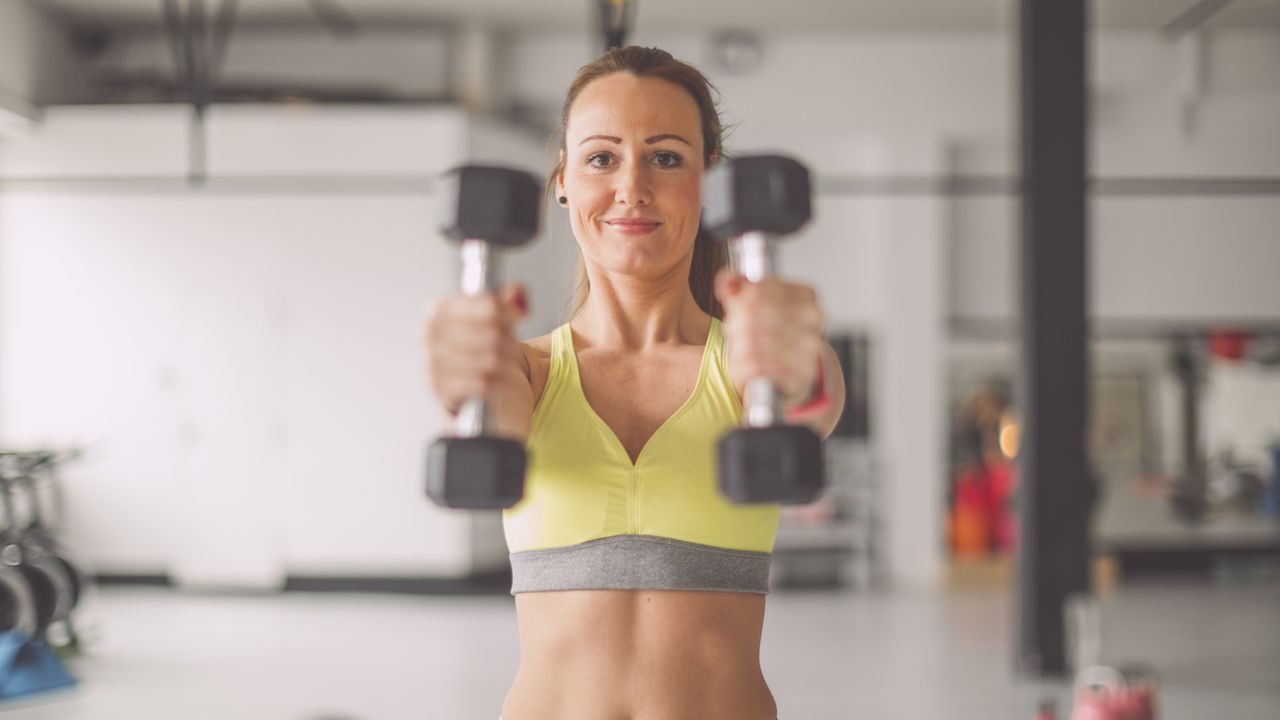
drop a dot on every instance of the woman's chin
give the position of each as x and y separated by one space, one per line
641 266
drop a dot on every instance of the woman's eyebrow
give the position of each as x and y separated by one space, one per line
647 141
610 138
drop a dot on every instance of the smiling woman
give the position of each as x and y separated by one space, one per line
683 94
639 588
644 188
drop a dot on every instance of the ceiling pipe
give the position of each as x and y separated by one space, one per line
1193 79
1193 18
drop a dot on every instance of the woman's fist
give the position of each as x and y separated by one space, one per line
774 330
472 350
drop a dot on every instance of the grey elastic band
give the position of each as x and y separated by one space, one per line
639 562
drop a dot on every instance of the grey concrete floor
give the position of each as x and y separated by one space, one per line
919 655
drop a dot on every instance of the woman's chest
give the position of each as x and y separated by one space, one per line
636 396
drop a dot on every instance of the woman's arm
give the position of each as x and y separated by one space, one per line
823 420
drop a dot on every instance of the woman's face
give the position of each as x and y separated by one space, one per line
632 173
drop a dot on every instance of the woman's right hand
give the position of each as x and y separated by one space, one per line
472 350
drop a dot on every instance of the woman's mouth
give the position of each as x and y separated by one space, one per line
632 226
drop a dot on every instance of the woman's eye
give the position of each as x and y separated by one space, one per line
599 160
667 159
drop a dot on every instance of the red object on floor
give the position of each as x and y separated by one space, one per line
971 514
1135 704
1000 477
1113 696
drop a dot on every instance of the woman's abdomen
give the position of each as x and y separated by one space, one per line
639 655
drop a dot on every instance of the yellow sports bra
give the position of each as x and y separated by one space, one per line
590 519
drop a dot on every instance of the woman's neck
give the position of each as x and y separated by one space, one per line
630 314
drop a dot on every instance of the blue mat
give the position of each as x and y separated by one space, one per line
28 666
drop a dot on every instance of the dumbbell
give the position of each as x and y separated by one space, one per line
482 208
51 587
39 538
750 201
17 605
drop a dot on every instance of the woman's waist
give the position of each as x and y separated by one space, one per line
609 626
663 663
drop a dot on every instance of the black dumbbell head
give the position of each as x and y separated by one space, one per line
479 473
17 606
499 205
781 464
756 193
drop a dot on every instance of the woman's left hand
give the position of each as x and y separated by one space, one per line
774 330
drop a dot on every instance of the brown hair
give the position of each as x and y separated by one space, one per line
708 254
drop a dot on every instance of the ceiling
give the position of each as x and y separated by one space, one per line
699 15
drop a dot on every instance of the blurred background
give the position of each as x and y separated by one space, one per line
219 240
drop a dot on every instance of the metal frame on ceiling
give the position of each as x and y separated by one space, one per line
198 53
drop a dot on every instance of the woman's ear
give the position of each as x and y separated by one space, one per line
713 160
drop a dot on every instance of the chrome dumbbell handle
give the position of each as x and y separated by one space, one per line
478 276
754 257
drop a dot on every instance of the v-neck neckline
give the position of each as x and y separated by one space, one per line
621 449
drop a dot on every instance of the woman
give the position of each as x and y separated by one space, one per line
639 590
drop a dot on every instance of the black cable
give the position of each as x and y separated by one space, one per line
197 67
335 17
222 29
616 17
198 53
177 43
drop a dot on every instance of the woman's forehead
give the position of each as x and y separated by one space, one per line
623 105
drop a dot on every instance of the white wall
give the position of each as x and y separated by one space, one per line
1173 257
1151 259
879 265
132 142
244 360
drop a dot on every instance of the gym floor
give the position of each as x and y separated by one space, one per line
911 655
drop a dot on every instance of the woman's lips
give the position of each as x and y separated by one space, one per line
633 227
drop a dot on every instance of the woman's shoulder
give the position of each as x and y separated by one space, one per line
537 355
538 348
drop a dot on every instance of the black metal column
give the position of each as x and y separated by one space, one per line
1054 482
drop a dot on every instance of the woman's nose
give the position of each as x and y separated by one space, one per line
633 185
